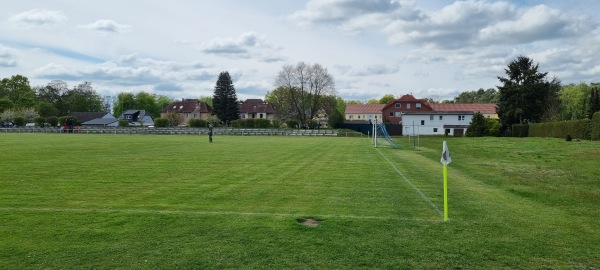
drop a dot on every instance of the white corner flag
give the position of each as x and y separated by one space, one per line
446 158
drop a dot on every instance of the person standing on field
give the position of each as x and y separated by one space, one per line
210 132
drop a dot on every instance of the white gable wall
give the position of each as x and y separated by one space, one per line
431 124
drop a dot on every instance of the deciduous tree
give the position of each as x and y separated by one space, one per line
305 85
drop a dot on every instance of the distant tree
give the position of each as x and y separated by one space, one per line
125 101
372 101
477 127
480 96
574 98
207 100
46 109
5 104
281 101
594 100
174 119
353 102
225 99
523 93
146 101
17 90
306 85
82 98
492 127
386 98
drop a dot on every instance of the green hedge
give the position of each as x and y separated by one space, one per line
595 127
196 123
577 129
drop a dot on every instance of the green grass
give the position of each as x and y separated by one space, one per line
178 202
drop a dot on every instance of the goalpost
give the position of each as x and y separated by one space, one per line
381 136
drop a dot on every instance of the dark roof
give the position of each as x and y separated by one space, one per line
256 106
100 122
187 106
87 116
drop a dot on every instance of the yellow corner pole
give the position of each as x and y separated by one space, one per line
445 193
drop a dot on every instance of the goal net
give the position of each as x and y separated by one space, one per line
381 136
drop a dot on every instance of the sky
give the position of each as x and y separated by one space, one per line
428 48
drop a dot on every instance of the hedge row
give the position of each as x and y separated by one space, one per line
578 129
252 123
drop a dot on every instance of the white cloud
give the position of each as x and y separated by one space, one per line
109 26
37 17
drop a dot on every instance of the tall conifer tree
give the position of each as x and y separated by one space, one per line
225 103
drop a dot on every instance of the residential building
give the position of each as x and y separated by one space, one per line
107 120
189 109
257 108
137 118
364 112
393 111
436 123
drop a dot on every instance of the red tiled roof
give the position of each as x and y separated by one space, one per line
256 106
188 106
364 108
484 108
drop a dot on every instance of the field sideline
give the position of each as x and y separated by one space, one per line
154 202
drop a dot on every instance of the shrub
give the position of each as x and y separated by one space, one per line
52 120
19 121
161 122
69 120
477 127
569 138
197 123
262 123
123 123
312 123
291 123
39 121
493 127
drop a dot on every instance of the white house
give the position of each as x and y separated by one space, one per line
436 123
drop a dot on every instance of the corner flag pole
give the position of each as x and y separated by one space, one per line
446 158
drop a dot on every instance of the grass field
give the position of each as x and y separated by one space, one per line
178 202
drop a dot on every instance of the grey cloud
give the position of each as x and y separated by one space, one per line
7 58
37 17
107 26
249 45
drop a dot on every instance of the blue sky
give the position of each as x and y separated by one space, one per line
432 49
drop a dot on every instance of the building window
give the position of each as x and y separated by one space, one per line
431 117
391 114
261 115
350 116
441 117
408 105
418 106
359 117
398 105
128 116
461 118
422 122
434 130
398 114
447 131
375 116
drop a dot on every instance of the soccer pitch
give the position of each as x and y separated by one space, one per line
145 201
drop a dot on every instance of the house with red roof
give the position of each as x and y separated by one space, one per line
392 111
189 109
363 112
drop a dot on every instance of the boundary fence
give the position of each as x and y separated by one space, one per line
178 131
